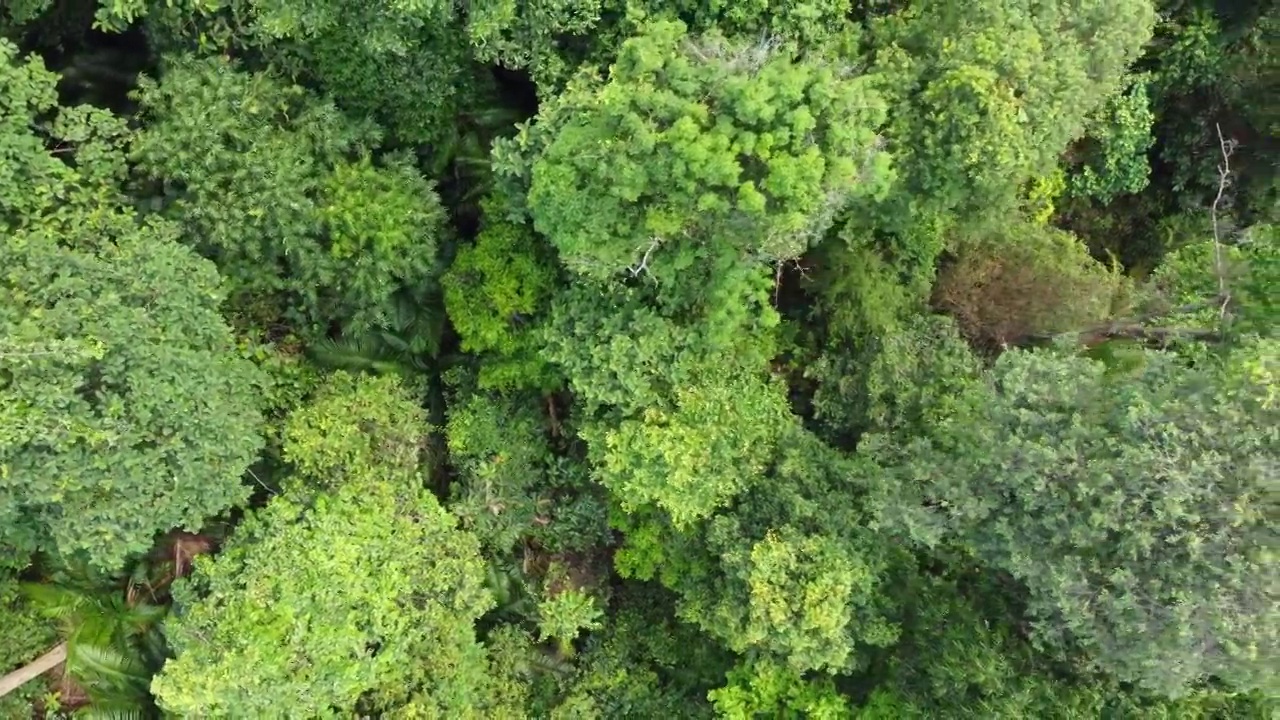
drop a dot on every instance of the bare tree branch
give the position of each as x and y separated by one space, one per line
1137 327
643 265
34 669
777 276
1227 148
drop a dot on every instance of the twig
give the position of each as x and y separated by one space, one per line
256 479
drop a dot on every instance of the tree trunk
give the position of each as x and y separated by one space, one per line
33 670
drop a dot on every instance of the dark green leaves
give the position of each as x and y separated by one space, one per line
1132 508
127 410
278 189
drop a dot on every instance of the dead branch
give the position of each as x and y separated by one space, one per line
1137 328
1227 148
643 265
1161 335
34 669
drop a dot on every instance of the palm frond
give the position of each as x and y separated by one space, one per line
105 667
55 602
509 591
496 117
153 648
394 343
360 353
115 709
142 617
549 663
96 628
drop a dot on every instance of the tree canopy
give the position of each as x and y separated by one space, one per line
362 582
578 359
127 409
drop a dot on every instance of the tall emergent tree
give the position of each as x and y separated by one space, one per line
696 146
125 409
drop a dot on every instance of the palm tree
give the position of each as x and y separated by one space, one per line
111 639
406 346
111 646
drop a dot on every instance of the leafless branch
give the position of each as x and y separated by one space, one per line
777 275
1149 334
1137 327
800 268
643 265
1227 148
258 480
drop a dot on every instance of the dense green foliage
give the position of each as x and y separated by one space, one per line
699 141
576 359
358 539
280 191
126 408
1131 506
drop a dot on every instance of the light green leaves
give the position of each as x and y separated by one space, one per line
803 593
1116 147
353 426
322 598
696 140
566 614
765 688
494 292
695 458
